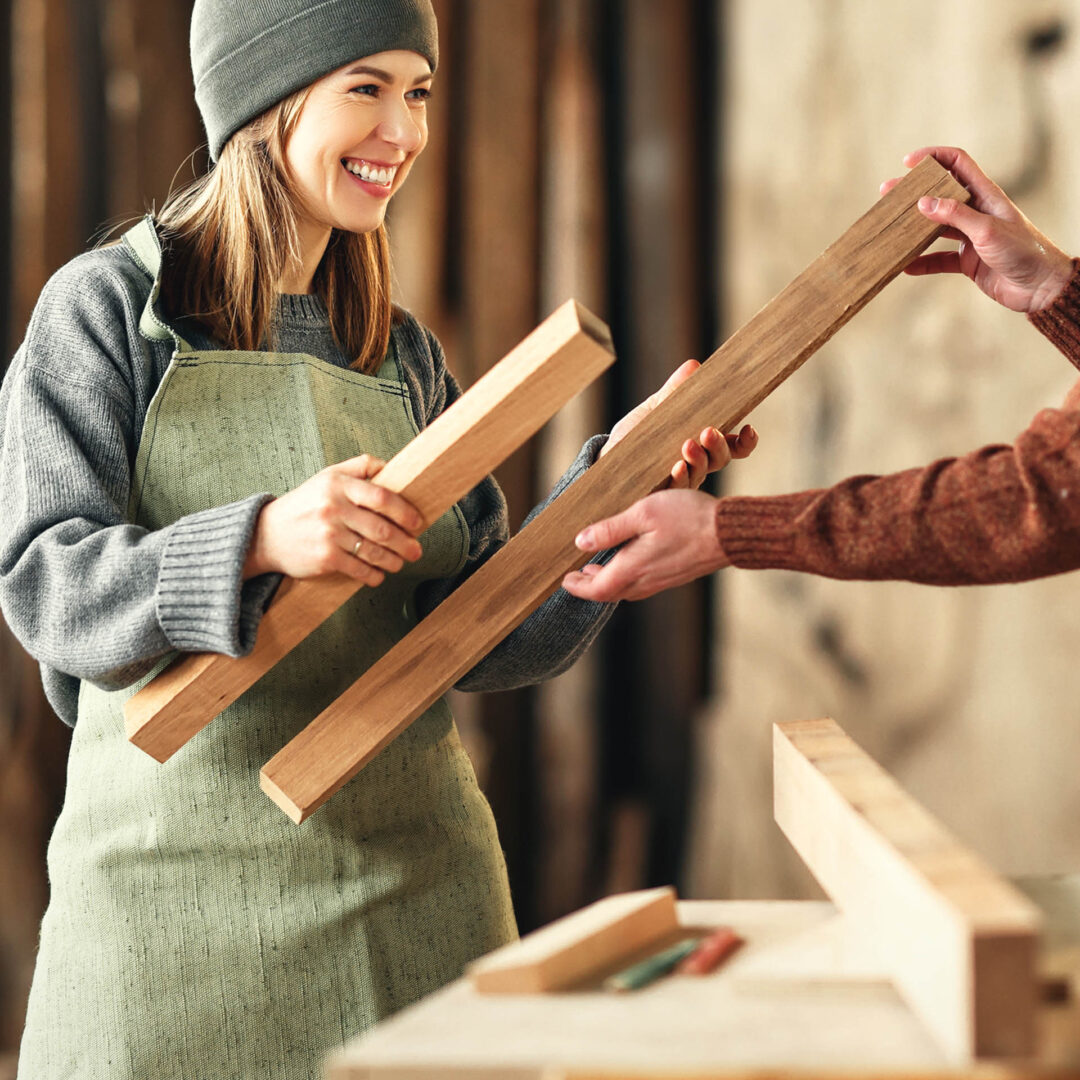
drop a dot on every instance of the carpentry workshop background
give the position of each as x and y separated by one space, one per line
672 166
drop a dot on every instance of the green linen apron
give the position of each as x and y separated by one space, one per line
193 931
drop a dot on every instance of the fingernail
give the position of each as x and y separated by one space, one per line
584 539
928 205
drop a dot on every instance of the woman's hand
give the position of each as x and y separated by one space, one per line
1000 250
337 522
711 451
670 539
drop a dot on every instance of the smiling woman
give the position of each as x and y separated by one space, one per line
194 413
358 133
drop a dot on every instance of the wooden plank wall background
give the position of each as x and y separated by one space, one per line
672 166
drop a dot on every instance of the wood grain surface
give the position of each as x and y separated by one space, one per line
445 461
960 943
752 363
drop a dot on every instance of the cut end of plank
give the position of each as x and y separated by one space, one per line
295 813
156 719
595 327
140 734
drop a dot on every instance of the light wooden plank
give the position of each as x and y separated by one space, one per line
960 943
470 622
573 948
445 461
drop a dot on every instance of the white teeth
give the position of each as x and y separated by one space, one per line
383 177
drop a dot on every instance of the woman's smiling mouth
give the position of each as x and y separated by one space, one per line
380 176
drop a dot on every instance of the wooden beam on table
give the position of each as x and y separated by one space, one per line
443 463
578 946
479 614
960 943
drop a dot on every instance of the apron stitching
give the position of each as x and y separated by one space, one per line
384 386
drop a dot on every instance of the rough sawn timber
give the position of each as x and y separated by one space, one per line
514 582
506 406
960 943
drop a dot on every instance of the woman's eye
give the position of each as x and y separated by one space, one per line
421 93
368 88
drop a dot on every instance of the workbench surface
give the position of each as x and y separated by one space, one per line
797 996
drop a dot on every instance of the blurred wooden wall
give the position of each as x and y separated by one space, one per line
573 153
968 695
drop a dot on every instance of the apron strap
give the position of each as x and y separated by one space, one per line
145 248
391 368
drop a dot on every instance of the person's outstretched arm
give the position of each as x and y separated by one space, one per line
1002 513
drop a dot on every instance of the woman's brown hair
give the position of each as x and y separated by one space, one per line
231 235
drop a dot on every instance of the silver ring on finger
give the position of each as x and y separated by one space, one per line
357 546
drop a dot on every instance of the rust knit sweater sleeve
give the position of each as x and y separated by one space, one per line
999 514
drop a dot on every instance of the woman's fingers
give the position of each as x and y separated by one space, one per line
676 378
384 543
364 467
744 443
694 466
387 504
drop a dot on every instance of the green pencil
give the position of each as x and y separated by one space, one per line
634 978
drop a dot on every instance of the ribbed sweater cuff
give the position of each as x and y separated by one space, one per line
1060 322
760 533
202 602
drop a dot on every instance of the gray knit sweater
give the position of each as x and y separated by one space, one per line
93 597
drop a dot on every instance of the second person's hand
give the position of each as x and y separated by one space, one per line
1000 250
711 450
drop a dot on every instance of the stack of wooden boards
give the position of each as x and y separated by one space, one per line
479 614
932 966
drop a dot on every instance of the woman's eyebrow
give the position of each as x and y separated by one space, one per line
367 69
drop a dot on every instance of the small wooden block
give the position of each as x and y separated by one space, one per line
516 580
960 943
510 403
572 949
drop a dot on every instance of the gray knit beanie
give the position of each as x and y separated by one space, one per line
250 54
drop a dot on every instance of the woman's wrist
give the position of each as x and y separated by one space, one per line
257 560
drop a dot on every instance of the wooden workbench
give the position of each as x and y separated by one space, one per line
797 1000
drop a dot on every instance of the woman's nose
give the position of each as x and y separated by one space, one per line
401 128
